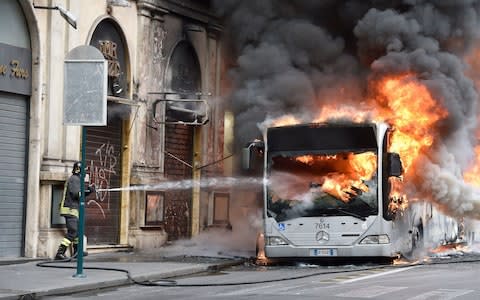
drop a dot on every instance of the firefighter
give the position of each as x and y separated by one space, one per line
69 210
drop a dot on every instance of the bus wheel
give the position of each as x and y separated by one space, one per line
417 238
415 243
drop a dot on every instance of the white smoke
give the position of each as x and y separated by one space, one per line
237 241
453 195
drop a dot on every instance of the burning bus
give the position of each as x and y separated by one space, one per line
364 61
332 190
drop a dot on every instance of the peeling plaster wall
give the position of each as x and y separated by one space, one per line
61 144
151 29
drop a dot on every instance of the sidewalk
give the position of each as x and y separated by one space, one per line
23 277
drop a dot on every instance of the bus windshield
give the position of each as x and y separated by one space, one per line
343 184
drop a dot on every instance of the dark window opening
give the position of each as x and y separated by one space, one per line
221 206
56 220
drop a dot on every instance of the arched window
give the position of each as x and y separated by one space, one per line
183 80
108 38
183 72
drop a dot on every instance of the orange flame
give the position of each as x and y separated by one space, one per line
398 201
342 113
472 175
285 120
407 106
353 170
309 159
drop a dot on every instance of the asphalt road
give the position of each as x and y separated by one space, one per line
438 278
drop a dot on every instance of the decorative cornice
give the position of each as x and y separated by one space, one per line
183 8
150 9
214 30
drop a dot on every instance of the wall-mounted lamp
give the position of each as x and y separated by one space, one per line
123 3
68 16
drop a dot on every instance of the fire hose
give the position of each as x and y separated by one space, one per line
173 283
49 264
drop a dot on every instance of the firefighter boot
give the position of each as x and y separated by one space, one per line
75 251
61 252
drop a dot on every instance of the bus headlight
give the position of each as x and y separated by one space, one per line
376 239
276 241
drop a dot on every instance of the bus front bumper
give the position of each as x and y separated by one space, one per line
370 250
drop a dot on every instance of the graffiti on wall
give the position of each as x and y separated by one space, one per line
102 168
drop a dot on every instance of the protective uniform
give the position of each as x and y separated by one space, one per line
69 209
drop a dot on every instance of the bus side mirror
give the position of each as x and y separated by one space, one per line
394 165
249 152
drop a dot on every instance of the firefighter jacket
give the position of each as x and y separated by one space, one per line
71 196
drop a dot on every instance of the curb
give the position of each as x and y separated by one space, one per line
120 282
22 260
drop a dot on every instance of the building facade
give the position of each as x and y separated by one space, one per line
19 133
165 123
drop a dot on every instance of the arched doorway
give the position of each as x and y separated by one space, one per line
183 78
104 143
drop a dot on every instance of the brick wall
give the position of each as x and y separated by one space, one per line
179 142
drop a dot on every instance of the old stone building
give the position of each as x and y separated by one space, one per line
165 123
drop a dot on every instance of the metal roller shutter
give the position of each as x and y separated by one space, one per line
179 142
13 141
103 156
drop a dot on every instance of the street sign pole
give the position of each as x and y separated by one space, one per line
85 104
81 209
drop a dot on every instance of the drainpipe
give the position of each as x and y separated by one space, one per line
196 174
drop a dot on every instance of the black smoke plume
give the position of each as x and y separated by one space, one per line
292 56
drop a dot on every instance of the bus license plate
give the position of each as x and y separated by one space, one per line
323 252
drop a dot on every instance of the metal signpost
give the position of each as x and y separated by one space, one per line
85 104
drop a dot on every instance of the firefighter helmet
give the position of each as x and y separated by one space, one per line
77 167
